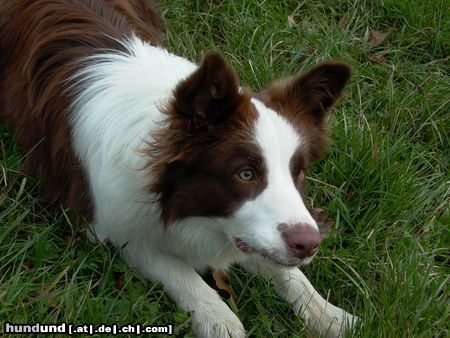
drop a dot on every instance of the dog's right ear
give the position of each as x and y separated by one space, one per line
208 96
310 95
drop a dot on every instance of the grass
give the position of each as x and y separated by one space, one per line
385 182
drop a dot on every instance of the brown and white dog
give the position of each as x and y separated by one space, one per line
172 161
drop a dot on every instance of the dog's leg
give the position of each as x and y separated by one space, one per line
211 317
295 288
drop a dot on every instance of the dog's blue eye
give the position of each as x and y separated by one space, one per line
246 175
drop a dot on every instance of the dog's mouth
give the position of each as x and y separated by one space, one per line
273 256
243 246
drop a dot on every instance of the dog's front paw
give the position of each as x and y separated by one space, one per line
217 323
335 322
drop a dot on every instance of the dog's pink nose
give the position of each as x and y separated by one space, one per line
302 239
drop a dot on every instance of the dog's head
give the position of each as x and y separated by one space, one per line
239 157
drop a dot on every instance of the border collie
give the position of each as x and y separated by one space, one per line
174 162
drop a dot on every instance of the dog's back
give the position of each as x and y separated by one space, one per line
41 45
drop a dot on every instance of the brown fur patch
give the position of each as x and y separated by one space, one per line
40 44
206 141
143 16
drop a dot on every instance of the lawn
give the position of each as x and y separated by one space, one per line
385 181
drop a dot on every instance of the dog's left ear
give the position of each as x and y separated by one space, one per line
311 94
208 96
